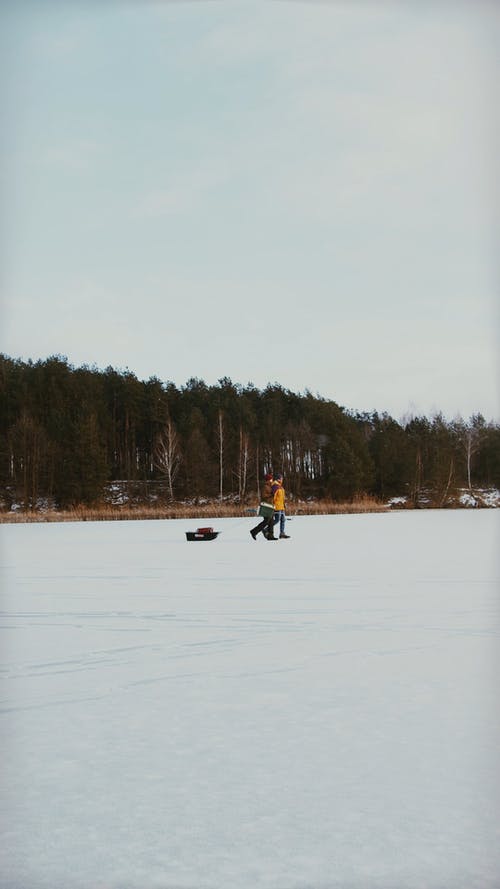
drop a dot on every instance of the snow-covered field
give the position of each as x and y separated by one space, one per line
318 714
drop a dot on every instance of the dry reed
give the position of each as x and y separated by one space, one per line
211 510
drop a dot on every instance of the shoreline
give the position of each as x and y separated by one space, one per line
183 511
211 510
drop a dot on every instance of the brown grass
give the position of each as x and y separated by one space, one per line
213 509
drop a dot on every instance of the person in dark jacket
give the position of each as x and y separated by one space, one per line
266 510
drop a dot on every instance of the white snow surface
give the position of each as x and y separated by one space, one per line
317 714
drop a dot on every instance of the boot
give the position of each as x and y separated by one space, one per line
284 536
270 534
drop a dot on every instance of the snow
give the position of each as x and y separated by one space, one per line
483 497
319 714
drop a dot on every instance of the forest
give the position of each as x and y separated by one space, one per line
68 434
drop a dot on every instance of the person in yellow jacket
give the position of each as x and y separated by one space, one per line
279 505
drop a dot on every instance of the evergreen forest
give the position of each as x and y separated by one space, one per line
68 433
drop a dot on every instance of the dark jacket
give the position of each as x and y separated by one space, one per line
267 492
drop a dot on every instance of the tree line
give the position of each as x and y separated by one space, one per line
67 432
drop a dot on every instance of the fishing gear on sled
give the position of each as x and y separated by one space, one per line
202 534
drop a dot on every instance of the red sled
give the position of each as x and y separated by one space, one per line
202 534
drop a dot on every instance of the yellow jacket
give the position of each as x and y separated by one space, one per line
278 496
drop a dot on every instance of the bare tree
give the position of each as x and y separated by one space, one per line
470 442
417 483
470 435
220 440
167 455
448 483
244 459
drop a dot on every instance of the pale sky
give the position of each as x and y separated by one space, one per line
274 191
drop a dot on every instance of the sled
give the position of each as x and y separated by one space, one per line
202 534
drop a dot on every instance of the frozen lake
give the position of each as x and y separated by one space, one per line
320 714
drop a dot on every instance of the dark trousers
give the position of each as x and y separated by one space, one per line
265 523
